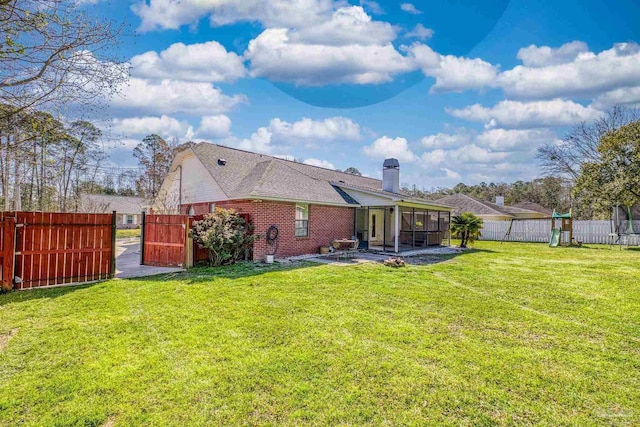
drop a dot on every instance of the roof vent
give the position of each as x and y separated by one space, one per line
222 162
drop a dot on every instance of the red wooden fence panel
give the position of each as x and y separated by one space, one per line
164 240
7 242
61 248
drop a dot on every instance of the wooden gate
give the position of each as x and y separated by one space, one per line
164 240
41 249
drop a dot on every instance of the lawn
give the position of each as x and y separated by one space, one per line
127 233
506 334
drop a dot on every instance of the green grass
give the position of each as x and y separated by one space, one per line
127 234
508 334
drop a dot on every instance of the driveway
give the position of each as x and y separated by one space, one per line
128 262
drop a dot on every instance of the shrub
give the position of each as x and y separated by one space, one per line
466 227
225 235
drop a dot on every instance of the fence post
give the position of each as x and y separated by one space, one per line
188 241
9 249
143 223
113 244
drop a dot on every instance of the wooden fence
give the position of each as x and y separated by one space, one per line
539 230
50 249
164 240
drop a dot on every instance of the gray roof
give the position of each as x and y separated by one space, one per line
249 175
103 203
464 203
534 207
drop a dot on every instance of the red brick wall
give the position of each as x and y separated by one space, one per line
326 223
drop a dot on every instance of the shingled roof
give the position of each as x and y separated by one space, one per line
103 203
465 203
243 174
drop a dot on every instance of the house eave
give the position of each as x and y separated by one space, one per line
289 200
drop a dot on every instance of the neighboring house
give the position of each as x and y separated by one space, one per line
534 207
128 209
487 210
310 206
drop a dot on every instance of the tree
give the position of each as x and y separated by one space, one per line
466 227
353 171
155 155
615 177
53 54
580 144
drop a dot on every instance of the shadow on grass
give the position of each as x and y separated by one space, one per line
17 296
235 271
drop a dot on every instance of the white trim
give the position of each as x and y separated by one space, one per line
396 213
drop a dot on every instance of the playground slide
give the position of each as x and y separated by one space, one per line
555 237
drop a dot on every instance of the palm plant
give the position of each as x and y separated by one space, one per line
466 227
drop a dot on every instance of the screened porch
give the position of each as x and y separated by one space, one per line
401 228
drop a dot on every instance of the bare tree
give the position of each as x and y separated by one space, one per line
580 144
53 54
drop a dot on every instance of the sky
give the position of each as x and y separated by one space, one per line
457 91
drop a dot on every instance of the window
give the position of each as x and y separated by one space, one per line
191 211
129 219
212 207
302 220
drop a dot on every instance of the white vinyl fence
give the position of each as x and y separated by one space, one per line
538 230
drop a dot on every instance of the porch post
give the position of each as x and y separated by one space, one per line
397 227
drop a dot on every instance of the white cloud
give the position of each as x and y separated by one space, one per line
515 139
279 133
434 158
349 48
516 114
329 129
410 8
452 73
630 95
347 26
372 6
385 147
259 142
587 75
444 140
543 56
203 62
217 126
420 32
172 96
164 126
320 163
452 174
172 14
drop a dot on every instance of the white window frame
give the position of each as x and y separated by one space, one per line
301 225
212 207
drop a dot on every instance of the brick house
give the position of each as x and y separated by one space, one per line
311 206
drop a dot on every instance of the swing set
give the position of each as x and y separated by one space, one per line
561 230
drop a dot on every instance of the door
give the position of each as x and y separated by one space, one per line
376 225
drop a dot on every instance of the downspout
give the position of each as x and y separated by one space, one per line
180 192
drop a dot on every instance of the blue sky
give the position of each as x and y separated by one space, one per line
458 91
